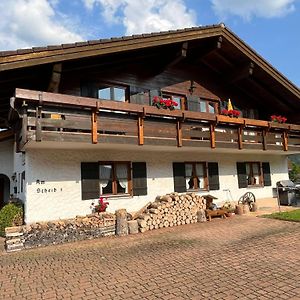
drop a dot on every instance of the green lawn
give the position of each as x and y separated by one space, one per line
293 215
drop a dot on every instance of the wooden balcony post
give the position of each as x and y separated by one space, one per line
38 124
264 139
24 124
240 137
140 130
94 129
285 141
179 133
212 129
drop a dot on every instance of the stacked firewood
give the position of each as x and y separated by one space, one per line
172 210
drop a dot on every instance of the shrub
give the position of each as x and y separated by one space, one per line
11 214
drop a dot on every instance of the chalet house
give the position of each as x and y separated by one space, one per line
80 121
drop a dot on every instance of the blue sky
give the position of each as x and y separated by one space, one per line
270 27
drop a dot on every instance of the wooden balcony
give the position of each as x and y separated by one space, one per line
63 118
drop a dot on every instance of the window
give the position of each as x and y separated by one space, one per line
113 178
251 174
208 106
116 93
195 176
180 100
195 103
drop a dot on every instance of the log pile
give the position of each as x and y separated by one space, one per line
61 231
172 210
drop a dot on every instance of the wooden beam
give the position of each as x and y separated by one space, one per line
24 124
55 78
240 137
264 139
179 133
285 140
260 87
38 125
90 50
94 127
179 57
240 73
212 130
204 52
140 130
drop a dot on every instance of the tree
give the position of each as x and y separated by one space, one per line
294 173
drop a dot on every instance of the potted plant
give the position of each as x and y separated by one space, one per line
278 119
229 207
101 206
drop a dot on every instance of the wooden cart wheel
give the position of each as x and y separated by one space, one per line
247 198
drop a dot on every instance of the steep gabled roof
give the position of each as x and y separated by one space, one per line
59 53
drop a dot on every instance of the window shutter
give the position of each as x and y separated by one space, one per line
242 175
213 176
139 178
193 103
138 97
179 177
266 174
154 93
90 180
89 89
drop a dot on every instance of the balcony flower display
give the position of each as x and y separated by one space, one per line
164 103
278 119
233 113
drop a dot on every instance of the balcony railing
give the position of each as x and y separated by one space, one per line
64 118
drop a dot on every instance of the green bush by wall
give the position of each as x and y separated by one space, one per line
8 214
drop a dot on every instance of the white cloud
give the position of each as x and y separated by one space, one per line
250 8
140 16
27 23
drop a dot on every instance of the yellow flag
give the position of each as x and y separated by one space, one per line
229 105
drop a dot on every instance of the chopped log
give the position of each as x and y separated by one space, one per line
153 211
142 223
121 222
140 211
246 209
133 227
239 209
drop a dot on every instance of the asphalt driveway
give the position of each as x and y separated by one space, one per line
238 258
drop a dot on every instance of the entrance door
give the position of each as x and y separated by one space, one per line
4 189
1 192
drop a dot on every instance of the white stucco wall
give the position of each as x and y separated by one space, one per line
7 164
60 172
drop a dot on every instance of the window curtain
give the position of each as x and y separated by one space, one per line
188 176
122 176
200 175
105 177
